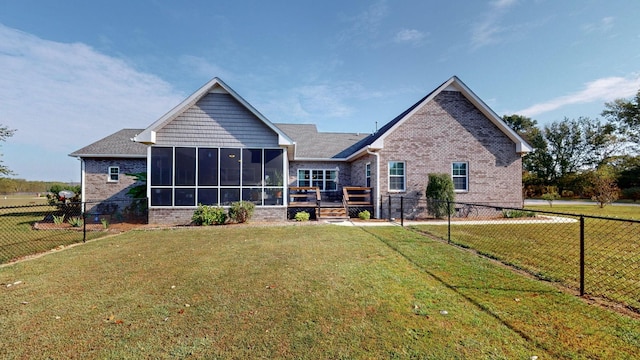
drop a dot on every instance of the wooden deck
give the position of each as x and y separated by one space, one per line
310 199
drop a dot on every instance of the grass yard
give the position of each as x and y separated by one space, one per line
303 292
18 238
618 210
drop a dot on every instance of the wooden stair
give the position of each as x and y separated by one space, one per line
333 213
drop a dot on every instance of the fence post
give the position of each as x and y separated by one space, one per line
581 255
84 222
448 220
402 211
389 216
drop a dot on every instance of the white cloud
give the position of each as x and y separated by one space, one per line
365 26
411 36
63 96
58 93
488 30
600 90
603 26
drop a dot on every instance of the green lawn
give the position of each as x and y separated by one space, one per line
618 210
18 237
303 292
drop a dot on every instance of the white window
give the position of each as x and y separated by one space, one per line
397 179
325 180
367 174
114 174
460 176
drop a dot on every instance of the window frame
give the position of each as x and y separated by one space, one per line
322 182
395 176
367 174
110 174
455 176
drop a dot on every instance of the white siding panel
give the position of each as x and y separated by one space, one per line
217 120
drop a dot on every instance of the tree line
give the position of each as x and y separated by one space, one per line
583 157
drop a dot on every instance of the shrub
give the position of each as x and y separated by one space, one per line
302 216
364 215
76 221
511 214
209 215
439 191
58 219
241 211
550 196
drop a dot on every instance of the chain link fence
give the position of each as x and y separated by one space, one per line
32 229
598 257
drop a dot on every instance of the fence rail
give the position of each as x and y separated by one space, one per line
597 256
31 229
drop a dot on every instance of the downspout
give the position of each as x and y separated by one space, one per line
377 195
82 182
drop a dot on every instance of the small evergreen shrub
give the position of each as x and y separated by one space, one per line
364 215
439 191
58 219
512 214
209 215
302 216
241 211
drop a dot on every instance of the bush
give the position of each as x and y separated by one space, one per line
550 196
302 216
209 215
241 211
439 191
76 221
512 214
364 215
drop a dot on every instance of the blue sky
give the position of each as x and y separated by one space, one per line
72 72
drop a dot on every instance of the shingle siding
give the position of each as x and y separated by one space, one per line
217 120
450 129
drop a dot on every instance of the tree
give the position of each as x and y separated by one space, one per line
538 164
603 187
5 133
626 113
440 192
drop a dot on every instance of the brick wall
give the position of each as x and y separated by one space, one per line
182 216
96 176
450 129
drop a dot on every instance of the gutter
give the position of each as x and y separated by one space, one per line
377 195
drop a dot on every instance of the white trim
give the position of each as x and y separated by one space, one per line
466 176
404 176
109 179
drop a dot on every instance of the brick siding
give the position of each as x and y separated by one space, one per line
450 129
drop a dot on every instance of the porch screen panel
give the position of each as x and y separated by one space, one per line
185 166
230 167
161 166
273 167
208 196
207 167
251 167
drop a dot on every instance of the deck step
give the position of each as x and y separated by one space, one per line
333 213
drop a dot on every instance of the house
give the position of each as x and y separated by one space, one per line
216 148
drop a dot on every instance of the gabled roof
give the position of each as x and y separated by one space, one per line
376 140
116 145
148 135
314 145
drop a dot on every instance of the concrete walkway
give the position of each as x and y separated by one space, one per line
538 220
